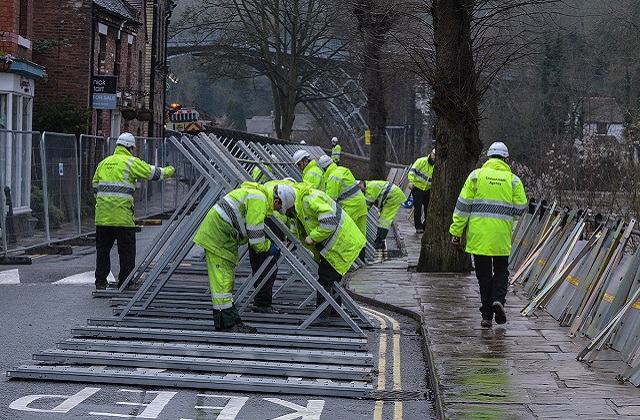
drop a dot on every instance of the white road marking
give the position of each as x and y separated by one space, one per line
10 277
84 278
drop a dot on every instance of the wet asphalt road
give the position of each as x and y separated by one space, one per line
36 314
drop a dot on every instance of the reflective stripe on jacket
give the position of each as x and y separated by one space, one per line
115 180
420 173
491 198
313 175
387 198
336 235
340 185
237 218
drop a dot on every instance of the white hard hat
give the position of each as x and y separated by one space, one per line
324 162
303 142
498 149
287 195
334 140
299 155
126 140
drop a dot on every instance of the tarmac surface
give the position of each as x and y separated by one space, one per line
524 369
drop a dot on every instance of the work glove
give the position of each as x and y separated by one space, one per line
410 185
309 241
455 240
273 250
169 171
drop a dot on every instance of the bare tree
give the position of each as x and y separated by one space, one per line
464 45
291 42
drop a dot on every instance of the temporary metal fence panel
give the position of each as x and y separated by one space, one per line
557 303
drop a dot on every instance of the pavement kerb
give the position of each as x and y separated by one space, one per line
432 378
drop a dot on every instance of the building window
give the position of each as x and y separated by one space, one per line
23 24
3 111
601 128
102 54
116 64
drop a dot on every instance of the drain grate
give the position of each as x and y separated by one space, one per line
401 395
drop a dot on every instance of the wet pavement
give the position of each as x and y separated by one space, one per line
524 369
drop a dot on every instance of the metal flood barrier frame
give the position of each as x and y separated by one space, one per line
168 319
588 281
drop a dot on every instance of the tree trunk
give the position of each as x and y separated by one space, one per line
458 144
375 19
374 90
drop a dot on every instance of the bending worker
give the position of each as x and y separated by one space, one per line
311 173
115 181
340 185
387 198
491 198
420 185
236 219
328 230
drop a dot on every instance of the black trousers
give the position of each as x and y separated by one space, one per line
264 297
327 276
420 205
493 277
105 237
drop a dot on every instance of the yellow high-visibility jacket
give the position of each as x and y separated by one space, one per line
313 175
491 198
336 235
237 218
115 180
340 185
258 175
387 198
336 154
420 173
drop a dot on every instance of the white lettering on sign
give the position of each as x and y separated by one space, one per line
22 404
311 412
229 411
152 410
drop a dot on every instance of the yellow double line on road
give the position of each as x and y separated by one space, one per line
382 362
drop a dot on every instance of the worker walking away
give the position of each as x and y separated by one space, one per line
236 219
115 182
420 185
336 151
327 230
311 173
340 185
491 198
387 198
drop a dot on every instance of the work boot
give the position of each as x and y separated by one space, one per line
101 285
486 323
323 320
132 287
264 309
239 328
498 309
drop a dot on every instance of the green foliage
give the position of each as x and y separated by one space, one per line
56 216
61 117
236 115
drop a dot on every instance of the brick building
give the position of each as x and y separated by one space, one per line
83 41
17 79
